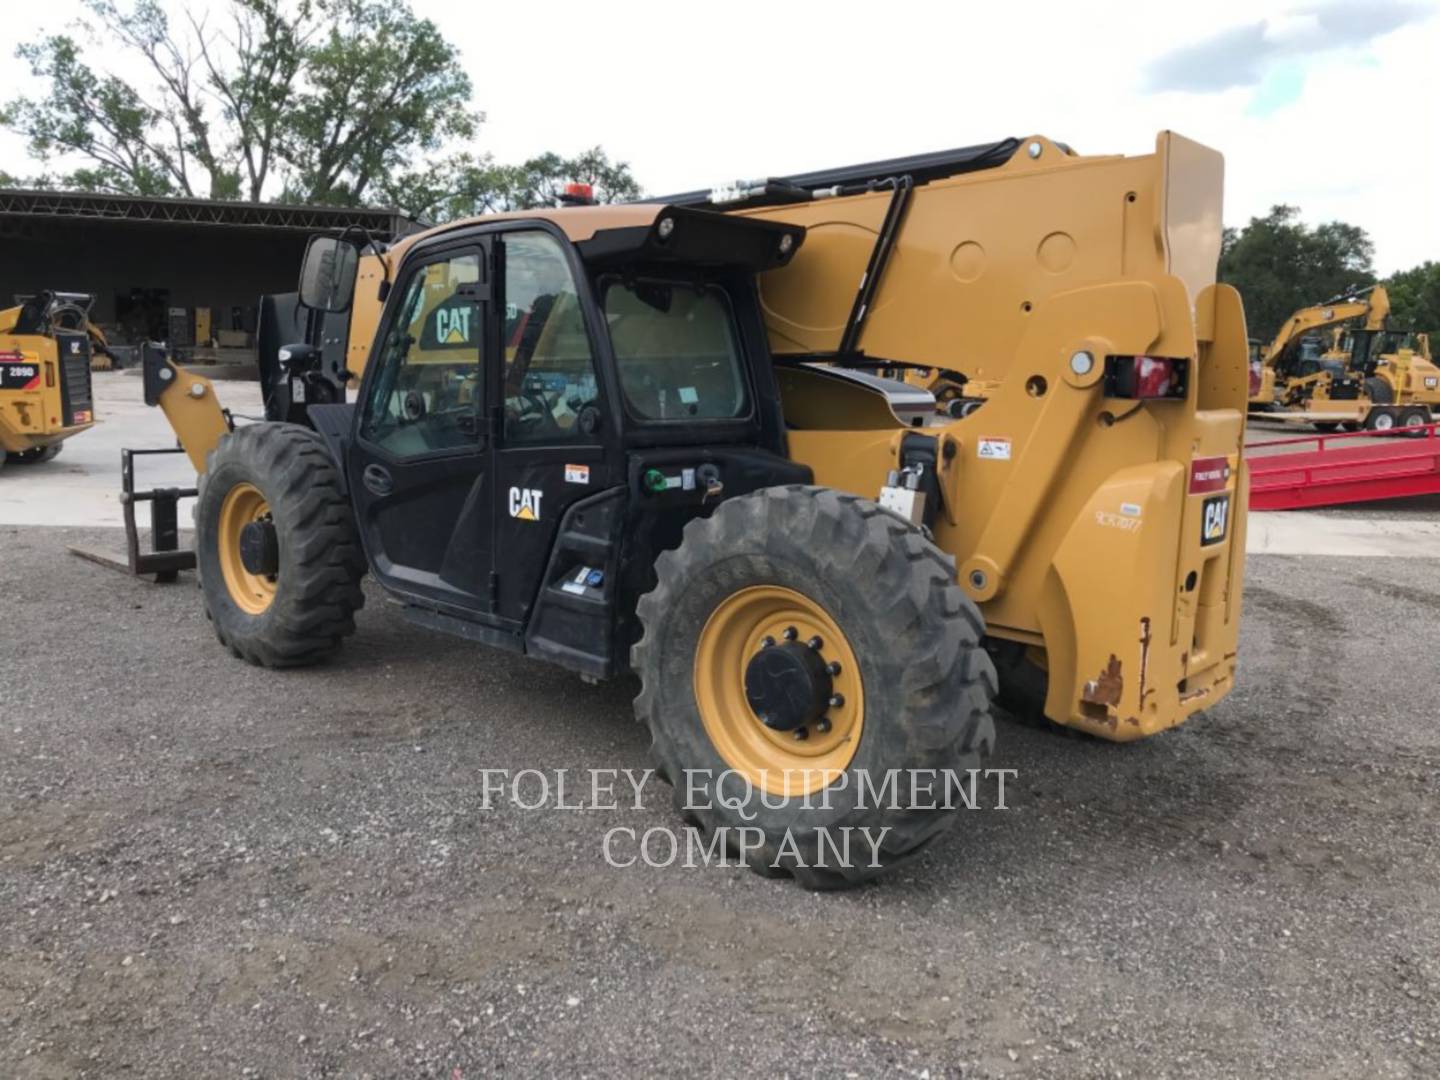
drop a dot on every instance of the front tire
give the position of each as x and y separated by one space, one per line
799 568
276 549
1380 419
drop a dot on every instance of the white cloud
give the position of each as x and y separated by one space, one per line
1291 28
693 94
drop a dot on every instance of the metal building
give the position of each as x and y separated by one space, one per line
185 271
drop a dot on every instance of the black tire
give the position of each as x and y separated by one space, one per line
37 456
1381 419
1023 685
927 681
1325 427
1417 416
1378 391
317 586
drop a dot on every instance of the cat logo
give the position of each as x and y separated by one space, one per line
525 503
452 324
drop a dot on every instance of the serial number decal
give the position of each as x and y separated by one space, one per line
1112 520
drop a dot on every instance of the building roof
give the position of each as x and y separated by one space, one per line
386 224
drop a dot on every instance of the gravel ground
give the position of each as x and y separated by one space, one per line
209 870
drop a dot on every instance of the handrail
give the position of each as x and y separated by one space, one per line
1322 439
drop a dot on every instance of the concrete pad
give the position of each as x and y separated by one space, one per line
82 486
1300 532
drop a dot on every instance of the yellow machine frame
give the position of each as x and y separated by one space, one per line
36 412
1079 520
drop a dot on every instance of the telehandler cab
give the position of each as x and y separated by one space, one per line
658 438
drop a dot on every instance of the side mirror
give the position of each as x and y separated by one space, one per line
327 276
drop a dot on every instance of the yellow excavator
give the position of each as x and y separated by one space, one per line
45 389
1293 370
655 438
1352 383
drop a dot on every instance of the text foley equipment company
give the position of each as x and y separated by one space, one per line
706 791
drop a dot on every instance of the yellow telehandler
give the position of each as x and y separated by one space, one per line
658 438
45 389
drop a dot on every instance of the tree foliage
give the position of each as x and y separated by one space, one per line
381 88
1280 264
341 102
465 185
1415 298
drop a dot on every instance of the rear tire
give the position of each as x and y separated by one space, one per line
1378 391
1417 416
924 681
285 475
38 456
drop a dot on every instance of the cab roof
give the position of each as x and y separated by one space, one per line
625 232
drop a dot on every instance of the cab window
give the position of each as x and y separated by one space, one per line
549 364
676 351
425 396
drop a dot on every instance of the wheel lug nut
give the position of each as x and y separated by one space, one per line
791 633
833 667
767 642
801 734
837 701
815 643
823 725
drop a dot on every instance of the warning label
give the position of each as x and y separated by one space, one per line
992 449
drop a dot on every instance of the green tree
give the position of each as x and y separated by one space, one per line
464 185
381 89
1415 298
330 95
1280 264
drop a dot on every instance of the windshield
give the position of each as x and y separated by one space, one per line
675 349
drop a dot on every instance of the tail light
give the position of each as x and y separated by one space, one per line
1146 377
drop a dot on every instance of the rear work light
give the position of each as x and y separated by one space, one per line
1146 377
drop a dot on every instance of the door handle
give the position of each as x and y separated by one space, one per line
377 480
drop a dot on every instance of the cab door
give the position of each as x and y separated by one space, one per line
421 467
556 440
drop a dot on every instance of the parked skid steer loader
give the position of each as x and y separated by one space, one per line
661 438
45 392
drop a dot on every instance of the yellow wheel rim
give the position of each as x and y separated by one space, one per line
252 593
777 762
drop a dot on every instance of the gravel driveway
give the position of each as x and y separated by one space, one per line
210 870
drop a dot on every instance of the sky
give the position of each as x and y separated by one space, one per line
1332 107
